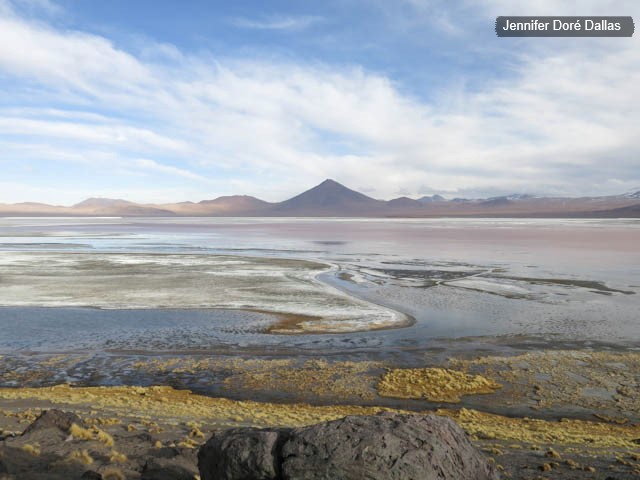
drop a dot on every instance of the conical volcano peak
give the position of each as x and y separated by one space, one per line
330 181
329 196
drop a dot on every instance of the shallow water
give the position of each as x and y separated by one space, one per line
560 280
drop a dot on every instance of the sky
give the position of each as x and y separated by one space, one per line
163 101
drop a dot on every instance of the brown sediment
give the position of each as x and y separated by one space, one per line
288 323
299 324
433 384
295 324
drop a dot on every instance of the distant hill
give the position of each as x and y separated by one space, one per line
227 206
236 202
97 203
120 208
632 211
432 198
331 198
633 194
404 202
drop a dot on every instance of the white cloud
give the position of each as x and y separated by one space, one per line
147 164
564 121
280 22
553 7
46 7
120 135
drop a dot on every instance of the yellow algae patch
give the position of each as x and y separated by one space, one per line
434 384
24 416
183 407
31 449
117 457
80 433
94 433
111 473
188 443
105 438
533 431
102 421
80 456
169 404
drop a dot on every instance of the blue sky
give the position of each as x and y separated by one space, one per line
161 101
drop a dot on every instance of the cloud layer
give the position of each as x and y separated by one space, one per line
563 120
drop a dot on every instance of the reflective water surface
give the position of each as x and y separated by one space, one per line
216 285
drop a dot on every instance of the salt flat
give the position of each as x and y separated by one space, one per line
157 280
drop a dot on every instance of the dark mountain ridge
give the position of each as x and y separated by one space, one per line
332 199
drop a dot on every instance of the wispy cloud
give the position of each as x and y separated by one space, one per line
147 164
32 7
561 122
278 22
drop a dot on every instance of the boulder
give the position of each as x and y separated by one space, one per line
387 446
53 419
170 464
242 453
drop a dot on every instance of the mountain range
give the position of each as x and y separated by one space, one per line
332 199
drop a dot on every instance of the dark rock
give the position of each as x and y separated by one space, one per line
382 447
53 419
167 452
138 437
166 455
179 466
170 472
3 468
91 475
242 454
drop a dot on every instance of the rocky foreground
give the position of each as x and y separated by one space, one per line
61 445
585 405
379 447
52 448
388 446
